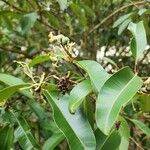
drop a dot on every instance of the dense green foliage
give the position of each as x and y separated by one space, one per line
74 75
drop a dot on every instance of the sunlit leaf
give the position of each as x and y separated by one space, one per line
116 93
97 74
139 34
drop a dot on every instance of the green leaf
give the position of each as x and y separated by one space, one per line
78 94
38 60
89 110
116 93
12 81
110 61
89 12
112 142
104 142
80 13
27 22
97 74
7 22
24 135
54 21
124 132
123 26
6 138
76 128
9 91
141 126
53 141
139 34
142 11
121 20
144 101
63 4
133 46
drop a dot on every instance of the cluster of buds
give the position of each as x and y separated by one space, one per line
58 39
62 46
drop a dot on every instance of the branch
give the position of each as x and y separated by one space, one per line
144 56
15 51
115 12
23 11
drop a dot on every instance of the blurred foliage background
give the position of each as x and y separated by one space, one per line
91 24
25 25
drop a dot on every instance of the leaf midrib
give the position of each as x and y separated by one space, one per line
67 123
107 118
24 131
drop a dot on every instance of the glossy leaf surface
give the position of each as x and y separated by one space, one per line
116 92
76 128
139 35
97 74
78 93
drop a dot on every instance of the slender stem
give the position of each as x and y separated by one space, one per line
144 56
137 144
135 67
115 12
23 11
139 62
15 51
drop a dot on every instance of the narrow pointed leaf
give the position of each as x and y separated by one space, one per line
27 22
9 91
112 141
38 60
53 141
6 138
78 94
124 132
116 92
11 81
97 74
121 20
63 4
142 126
76 128
123 26
24 135
139 34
